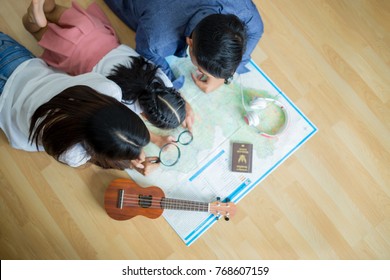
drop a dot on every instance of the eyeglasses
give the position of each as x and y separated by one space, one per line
170 153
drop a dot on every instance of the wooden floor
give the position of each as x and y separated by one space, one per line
329 200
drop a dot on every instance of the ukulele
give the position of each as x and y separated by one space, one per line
124 199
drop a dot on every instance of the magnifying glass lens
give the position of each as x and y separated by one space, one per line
169 154
185 138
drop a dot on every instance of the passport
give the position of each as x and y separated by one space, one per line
242 157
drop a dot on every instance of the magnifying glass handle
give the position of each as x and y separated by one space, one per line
157 160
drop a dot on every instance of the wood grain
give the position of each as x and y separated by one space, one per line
329 200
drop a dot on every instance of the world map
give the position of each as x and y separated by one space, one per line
204 170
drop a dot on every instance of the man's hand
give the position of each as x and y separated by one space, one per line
206 83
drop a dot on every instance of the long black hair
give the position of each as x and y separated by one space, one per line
163 106
109 131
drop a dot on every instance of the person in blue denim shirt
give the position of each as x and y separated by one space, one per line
218 34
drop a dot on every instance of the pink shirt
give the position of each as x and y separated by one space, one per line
79 40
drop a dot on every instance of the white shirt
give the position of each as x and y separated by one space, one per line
32 84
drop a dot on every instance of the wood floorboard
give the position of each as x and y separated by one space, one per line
329 200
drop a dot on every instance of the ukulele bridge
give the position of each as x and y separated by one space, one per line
119 203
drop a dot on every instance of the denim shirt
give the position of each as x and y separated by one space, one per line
162 26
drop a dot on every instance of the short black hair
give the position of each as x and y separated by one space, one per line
219 42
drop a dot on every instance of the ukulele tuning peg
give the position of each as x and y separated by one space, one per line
227 218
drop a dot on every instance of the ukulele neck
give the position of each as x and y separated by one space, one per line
187 205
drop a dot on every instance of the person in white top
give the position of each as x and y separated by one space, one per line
76 119
77 41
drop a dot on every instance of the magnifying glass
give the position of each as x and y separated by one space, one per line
170 153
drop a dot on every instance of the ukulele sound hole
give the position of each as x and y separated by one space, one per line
145 201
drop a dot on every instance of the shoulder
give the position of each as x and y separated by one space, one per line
246 13
75 156
119 55
99 83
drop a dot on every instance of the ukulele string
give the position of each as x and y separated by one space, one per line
136 202
168 202
158 199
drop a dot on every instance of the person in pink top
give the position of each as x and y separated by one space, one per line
79 41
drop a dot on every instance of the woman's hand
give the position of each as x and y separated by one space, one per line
160 140
148 166
190 118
